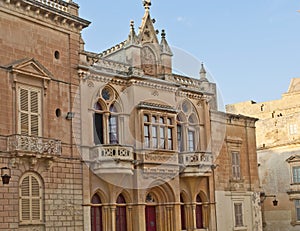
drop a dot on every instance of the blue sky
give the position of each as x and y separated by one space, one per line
250 48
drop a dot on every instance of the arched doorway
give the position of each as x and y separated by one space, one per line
96 214
121 219
182 213
150 213
199 213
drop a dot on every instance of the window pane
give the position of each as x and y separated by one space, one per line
153 119
146 136
179 138
113 130
98 128
146 118
154 137
162 137
238 212
191 140
296 174
170 143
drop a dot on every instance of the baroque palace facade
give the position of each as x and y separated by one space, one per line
114 141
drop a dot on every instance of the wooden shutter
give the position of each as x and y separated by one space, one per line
25 199
34 116
29 111
24 112
30 200
236 170
238 212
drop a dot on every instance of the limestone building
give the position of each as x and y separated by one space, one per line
160 154
277 132
39 56
114 141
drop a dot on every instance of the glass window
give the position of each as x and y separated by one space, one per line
191 141
146 136
113 130
179 138
296 174
238 214
297 207
293 129
162 137
154 137
158 132
170 142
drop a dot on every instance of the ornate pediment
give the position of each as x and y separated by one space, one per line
30 67
293 158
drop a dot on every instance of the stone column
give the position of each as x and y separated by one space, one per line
113 217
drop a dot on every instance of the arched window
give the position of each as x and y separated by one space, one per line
113 125
31 199
187 128
150 213
96 214
199 213
98 124
182 213
106 117
121 220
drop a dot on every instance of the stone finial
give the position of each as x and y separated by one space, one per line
147 4
203 73
163 34
132 37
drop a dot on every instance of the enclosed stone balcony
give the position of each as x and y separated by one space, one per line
28 145
195 163
112 159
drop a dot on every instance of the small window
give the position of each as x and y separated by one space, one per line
296 174
236 168
30 195
191 140
297 208
29 100
238 214
293 129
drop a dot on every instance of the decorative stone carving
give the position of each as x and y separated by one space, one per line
34 144
148 61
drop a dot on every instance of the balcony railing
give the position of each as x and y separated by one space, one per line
111 152
32 144
56 4
110 159
195 163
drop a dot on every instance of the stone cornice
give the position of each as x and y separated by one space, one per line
53 12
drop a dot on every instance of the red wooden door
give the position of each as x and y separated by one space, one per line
121 223
150 218
199 215
96 214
